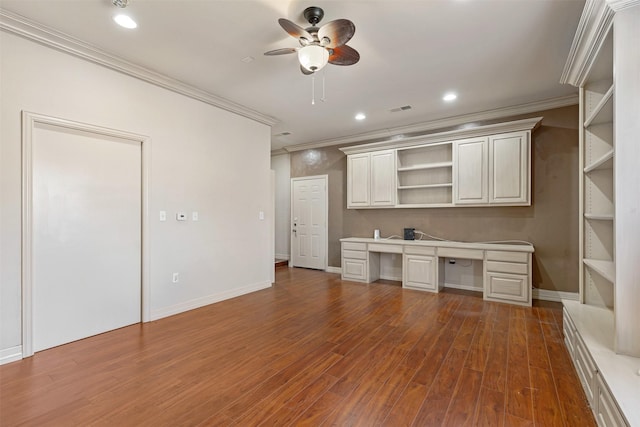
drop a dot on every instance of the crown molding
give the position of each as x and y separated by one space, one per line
30 30
593 28
473 132
279 152
497 113
618 5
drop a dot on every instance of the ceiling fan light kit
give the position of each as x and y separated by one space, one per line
313 57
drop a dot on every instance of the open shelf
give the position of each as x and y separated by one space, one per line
599 217
426 166
413 187
603 162
603 111
606 269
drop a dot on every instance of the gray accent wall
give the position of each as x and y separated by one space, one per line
550 223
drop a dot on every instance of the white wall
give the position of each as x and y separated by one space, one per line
203 159
281 164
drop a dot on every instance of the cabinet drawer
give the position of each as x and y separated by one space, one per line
381 247
461 253
607 412
354 254
508 256
586 369
354 246
507 267
354 269
419 250
507 287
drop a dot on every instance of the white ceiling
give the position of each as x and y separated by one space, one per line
493 53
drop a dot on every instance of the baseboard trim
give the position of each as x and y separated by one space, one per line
392 278
210 299
11 354
463 287
282 256
337 270
557 296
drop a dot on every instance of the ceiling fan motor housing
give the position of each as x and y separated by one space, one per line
313 15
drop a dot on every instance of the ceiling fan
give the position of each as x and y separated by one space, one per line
320 45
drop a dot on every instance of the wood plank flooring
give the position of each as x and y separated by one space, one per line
312 350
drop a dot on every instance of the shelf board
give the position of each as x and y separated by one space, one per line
604 162
599 217
606 269
413 187
424 205
426 166
603 111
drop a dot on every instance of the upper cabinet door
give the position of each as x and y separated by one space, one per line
509 168
358 180
383 178
470 169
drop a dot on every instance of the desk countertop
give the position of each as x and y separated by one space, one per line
513 247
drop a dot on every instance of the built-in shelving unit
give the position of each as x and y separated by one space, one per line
602 330
425 175
431 171
597 181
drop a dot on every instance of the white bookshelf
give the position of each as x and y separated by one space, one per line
602 330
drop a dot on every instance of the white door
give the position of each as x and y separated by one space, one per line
508 168
86 256
470 170
309 222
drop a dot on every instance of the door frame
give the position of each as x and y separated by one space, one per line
29 121
326 216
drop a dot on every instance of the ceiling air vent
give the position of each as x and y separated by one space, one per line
283 134
404 108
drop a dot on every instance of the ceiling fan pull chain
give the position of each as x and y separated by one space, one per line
313 90
323 74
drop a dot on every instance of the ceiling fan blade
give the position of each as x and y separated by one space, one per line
281 51
344 55
295 30
336 33
305 71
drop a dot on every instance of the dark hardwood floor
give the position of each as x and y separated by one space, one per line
312 350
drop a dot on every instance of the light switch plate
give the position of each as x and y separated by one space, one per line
163 215
261 216
194 216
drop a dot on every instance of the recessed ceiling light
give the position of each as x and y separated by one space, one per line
449 96
125 21
360 116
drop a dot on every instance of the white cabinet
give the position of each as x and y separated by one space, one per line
358 180
420 272
371 179
480 166
471 171
508 277
383 181
355 261
493 170
509 168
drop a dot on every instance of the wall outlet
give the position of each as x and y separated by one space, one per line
181 216
175 278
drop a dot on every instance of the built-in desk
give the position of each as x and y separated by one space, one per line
506 267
